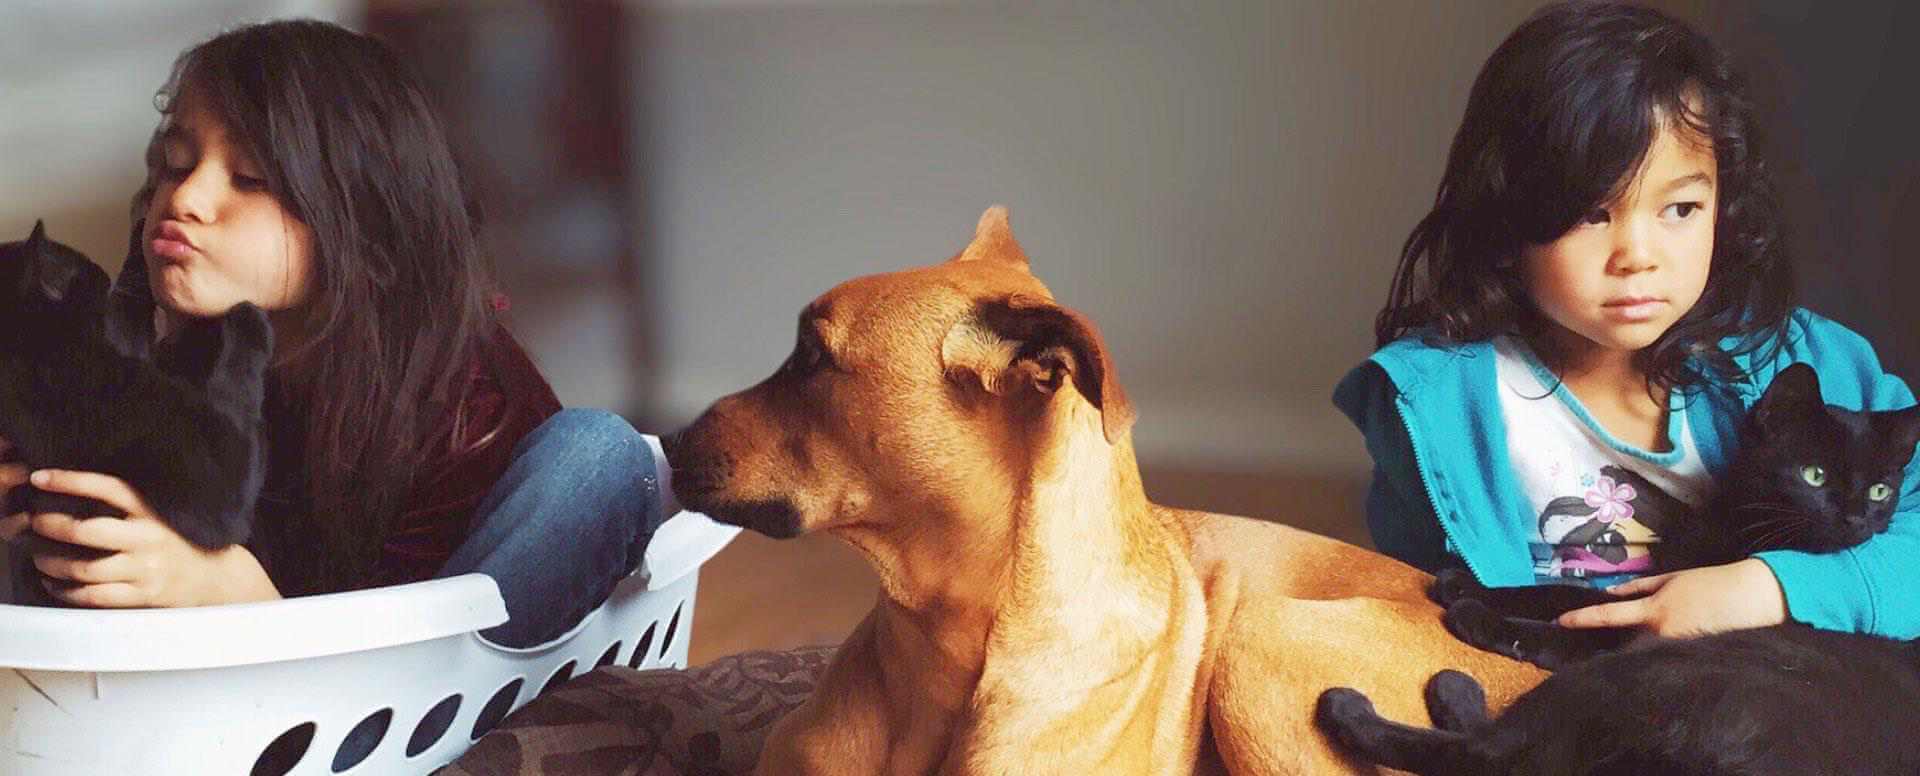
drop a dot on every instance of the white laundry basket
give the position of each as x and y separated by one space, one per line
276 688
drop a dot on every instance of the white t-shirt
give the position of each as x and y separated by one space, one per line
1598 502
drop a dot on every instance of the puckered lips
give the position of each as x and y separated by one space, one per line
171 241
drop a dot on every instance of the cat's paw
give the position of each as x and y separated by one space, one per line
1341 713
1456 702
1472 621
1453 584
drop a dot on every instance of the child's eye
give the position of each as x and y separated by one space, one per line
1879 492
249 183
1813 475
1681 210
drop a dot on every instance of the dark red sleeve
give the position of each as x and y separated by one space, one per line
507 399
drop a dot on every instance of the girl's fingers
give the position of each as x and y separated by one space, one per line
1640 586
11 526
106 488
1621 614
83 567
100 533
112 595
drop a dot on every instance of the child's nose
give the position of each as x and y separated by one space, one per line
1632 252
193 198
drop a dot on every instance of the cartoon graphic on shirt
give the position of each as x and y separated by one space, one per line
1605 531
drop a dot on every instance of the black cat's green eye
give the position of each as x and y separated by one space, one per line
1879 492
1814 475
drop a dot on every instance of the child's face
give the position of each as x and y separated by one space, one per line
1622 276
215 237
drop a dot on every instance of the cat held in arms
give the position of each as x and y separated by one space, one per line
179 421
1787 699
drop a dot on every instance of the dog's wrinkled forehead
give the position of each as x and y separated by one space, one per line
928 299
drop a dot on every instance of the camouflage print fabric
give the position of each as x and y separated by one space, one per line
615 721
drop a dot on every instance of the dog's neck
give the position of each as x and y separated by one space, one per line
1078 562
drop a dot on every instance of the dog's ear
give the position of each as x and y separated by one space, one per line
1026 343
993 240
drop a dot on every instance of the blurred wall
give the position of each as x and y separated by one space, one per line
1222 186
77 81
1835 84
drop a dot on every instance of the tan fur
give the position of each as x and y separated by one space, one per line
1038 615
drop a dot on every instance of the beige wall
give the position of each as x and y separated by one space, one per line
1222 186
76 104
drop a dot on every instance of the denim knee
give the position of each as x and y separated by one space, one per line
584 431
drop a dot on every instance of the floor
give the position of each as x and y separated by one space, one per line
762 593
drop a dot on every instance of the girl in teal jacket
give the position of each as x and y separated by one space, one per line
1576 329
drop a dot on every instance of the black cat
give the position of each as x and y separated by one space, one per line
1808 476
1788 699
182 425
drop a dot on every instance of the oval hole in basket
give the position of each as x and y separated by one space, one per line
362 740
496 708
285 752
559 677
646 642
433 725
607 657
672 626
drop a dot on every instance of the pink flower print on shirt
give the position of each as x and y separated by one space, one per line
1610 500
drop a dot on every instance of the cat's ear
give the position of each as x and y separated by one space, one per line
50 274
1903 428
129 314
1795 389
246 347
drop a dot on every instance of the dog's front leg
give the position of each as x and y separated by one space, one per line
842 728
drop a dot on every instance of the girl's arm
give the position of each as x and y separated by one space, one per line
1400 517
148 564
1871 588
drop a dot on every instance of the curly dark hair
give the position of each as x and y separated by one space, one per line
1559 122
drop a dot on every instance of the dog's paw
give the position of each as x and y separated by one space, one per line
1456 702
1453 584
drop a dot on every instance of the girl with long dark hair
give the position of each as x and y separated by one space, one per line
1601 287
298 166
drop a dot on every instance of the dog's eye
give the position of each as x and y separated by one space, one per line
806 356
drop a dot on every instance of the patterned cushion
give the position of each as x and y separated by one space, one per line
705 721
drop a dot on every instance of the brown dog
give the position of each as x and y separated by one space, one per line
1038 614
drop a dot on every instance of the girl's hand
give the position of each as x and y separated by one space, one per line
1694 602
140 560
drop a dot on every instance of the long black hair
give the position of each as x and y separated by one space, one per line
1559 121
348 143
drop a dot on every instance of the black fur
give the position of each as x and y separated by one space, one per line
1764 502
1782 700
183 427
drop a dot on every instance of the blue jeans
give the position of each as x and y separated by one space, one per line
570 518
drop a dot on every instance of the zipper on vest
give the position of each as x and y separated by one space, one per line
1420 466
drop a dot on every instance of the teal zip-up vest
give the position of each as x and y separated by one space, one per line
1443 485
